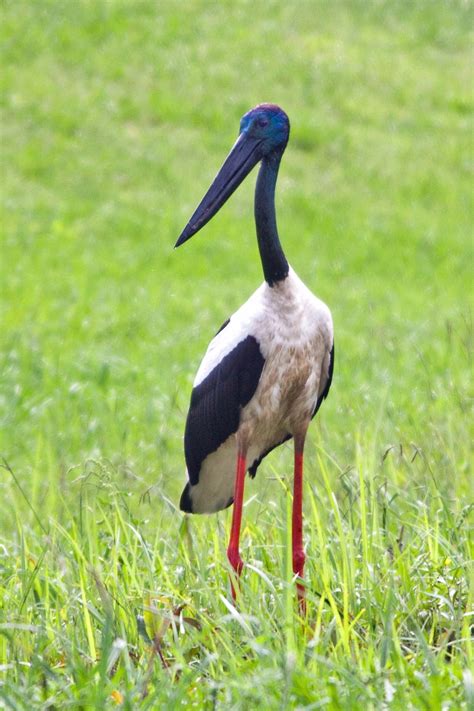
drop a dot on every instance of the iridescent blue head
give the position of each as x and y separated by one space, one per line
269 125
264 133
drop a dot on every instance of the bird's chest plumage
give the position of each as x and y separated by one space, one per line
293 342
286 393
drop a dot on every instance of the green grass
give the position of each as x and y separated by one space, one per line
115 117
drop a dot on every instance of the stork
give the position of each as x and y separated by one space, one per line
269 367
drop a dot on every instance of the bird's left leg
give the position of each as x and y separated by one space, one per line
297 519
233 553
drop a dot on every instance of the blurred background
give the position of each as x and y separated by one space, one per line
115 117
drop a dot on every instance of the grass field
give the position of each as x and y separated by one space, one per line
115 117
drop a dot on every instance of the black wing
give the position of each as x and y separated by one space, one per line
252 470
325 392
224 325
214 412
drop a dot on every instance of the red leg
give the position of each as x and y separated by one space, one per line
297 526
233 553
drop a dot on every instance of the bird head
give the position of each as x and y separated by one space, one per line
269 126
264 133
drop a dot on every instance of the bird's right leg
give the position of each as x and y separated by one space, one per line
233 553
297 520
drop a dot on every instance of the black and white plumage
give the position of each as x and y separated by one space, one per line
269 367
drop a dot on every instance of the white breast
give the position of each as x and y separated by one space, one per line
285 314
295 340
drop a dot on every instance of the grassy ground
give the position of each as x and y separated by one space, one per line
116 116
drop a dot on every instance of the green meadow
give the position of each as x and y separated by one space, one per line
116 115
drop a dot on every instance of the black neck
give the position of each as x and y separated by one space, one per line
275 266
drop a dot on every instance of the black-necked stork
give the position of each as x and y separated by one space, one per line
270 365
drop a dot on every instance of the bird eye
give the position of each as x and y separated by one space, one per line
262 122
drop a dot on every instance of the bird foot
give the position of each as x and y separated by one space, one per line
235 560
301 595
237 563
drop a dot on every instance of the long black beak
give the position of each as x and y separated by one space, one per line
238 164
